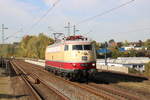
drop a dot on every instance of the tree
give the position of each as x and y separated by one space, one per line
132 53
23 46
34 46
126 43
112 43
147 44
119 44
140 43
97 45
147 69
43 42
103 45
115 52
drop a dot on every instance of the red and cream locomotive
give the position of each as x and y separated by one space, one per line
73 57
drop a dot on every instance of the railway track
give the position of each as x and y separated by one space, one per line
115 91
101 91
33 92
38 88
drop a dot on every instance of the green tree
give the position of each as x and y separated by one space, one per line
34 46
147 44
132 53
115 52
111 41
42 42
147 69
97 47
23 46
31 49
126 43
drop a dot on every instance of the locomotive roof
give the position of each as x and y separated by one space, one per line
72 40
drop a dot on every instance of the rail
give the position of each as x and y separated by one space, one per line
37 80
33 91
104 92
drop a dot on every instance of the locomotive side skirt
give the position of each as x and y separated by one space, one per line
71 70
71 65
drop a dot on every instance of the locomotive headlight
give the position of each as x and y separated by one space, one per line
74 65
93 64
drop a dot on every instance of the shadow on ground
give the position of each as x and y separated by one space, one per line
7 96
111 77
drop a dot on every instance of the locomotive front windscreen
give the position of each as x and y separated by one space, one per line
82 47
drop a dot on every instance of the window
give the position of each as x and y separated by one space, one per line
66 47
77 47
87 47
82 47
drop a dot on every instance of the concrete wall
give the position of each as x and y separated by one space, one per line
113 68
126 60
40 63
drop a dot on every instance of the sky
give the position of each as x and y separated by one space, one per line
131 22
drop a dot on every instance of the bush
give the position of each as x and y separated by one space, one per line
134 71
147 69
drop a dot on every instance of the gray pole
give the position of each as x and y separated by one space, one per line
74 30
68 27
105 54
3 32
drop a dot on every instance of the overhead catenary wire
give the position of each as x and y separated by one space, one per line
13 34
105 12
44 15
135 30
83 21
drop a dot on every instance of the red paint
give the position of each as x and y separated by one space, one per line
65 65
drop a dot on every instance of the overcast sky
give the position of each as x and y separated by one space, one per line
131 22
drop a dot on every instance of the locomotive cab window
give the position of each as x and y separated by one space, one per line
77 47
87 47
66 47
81 47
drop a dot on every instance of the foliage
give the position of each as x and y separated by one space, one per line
97 45
111 41
126 43
132 53
147 69
34 46
7 50
115 52
132 70
128 53
30 46
147 44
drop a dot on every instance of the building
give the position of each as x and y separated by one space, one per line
132 47
137 63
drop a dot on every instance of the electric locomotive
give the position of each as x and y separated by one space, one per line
73 57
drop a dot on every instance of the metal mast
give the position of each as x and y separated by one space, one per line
75 30
106 53
68 27
3 32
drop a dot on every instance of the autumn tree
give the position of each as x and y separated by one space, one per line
34 46
147 69
147 44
